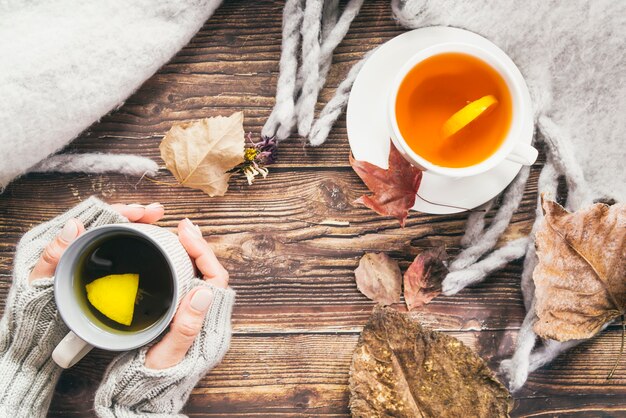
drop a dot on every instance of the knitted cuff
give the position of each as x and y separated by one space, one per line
31 327
92 212
129 389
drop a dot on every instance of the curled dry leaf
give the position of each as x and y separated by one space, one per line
422 280
394 189
379 278
400 369
200 153
580 280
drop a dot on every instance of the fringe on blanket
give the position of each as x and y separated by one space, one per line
311 31
97 163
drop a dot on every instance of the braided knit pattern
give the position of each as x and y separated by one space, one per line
281 120
485 241
311 26
31 327
318 28
460 279
329 114
130 390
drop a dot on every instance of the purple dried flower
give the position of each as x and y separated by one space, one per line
257 155
267 148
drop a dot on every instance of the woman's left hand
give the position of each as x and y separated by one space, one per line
189 318
157 381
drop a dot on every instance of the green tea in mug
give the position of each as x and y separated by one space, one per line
125 283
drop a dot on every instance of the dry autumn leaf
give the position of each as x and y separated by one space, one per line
200 153
400 369
379 278
422 280
394 189
580 280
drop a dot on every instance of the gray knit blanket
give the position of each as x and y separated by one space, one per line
572 56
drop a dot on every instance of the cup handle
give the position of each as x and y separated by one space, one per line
523 154
70 350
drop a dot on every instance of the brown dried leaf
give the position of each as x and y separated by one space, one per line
580 281
200 153
422 280
379 278
400 369
394 189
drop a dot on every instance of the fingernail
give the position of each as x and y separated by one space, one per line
154 205
69 231
192 228
201 300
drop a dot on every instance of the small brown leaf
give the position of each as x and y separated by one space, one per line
200 153
379 278
402 370
580 280
394 189
422 280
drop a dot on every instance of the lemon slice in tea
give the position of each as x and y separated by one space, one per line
467 114
114 296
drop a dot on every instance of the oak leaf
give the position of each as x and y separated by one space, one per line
400 369
422 280
379 278
200 153
580 280
394 189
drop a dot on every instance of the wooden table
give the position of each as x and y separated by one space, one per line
298 313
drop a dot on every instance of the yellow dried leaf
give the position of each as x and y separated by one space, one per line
580 280
200 153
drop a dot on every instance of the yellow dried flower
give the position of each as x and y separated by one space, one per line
250 154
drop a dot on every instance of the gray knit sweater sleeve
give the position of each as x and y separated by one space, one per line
131 390
31 327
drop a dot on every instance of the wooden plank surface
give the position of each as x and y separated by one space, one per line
298 313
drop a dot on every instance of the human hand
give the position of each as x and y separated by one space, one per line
73 228
189 317
31 326
157 380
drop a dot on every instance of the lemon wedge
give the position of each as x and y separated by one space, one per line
114 296
467 114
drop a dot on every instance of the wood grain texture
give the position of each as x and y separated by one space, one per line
298 312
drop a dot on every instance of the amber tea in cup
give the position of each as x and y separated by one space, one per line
437 88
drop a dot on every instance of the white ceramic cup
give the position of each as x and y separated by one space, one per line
516 145
85 331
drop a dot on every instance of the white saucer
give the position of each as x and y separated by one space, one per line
367 124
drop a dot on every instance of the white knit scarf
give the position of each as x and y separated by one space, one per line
571 54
